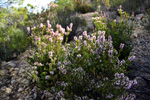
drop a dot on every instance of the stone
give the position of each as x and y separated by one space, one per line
25 82
13 73
140 82
139 16
88 20
11 69
9 65
21 71
13 82
8 90
3 72
20 89
51 98
3 88
1 83
16 69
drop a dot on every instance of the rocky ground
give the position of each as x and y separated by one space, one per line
16 85
141 65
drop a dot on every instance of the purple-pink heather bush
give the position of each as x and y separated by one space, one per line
86 69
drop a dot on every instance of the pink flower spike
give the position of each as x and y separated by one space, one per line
131 58
104 14
120 6
75 38
85 33
85 43
101 13
41 25
134 82
48 22
28 29
49 26
121 45
59 35
68 29
132 14
71 24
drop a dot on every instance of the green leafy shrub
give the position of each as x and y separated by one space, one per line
100 23
57 15
120 31
83 69
129 5
12 32
106 2
82 7
12 41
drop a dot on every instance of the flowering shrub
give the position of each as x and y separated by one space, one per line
84 69
120 31
100 22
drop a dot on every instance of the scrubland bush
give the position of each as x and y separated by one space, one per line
129 5
83 7
57 14
13 39
120 31
84 69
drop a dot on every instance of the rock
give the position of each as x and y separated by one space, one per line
35 95
13 82
25 81
140 82
88 21
11 69
139 16
51 98
20 89
3 88
17 69
111 15
9 65
13 73
1 83
3 72
21 71
8 90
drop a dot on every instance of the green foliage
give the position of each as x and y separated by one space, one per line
12 32
129 5
146 20
87 68
56 15
12 41
106 2
82 7
65 5
116 3
120 31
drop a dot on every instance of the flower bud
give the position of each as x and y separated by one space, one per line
121 45
41 25
71 24
48 22
28 29
131 58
